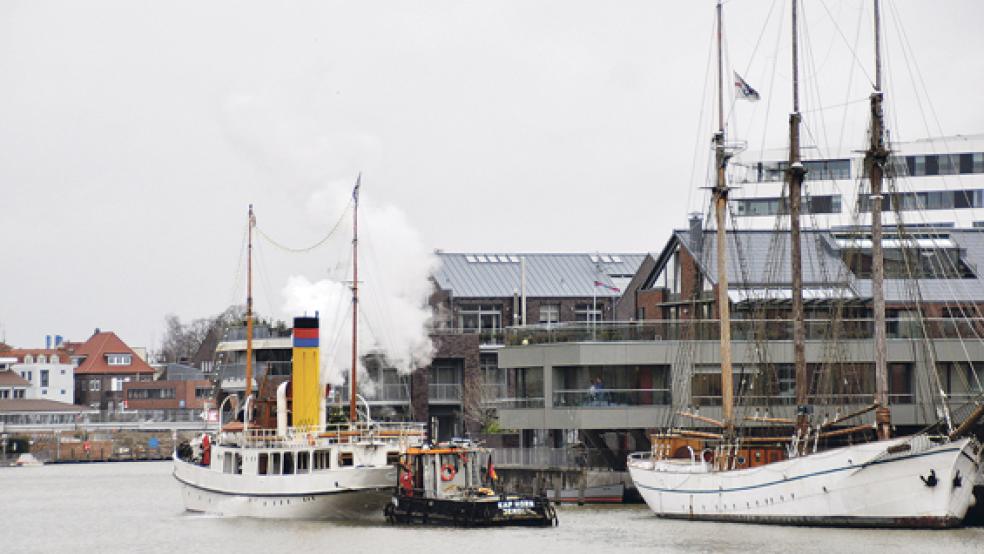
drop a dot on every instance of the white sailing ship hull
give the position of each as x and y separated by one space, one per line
350 493
862 485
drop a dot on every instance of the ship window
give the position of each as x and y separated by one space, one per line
275 463
262 464
322 459
345 459
303 462
288 463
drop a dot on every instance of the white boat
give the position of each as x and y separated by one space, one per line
28 460
296 467
907 482
343 472
921 481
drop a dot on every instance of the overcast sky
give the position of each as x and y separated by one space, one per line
134 134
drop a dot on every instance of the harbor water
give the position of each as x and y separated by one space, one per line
136 507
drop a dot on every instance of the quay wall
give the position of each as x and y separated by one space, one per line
105 445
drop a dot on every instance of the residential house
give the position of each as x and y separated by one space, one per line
48 370
104 364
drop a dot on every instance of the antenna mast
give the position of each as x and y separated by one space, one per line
353 414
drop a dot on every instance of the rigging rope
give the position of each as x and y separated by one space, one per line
322 241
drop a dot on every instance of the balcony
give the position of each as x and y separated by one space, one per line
610 398
444 392
382 394
741 330
486 337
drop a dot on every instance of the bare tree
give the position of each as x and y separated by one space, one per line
182 340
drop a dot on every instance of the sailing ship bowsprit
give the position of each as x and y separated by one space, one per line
922 480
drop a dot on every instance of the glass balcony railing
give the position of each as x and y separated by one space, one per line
741 330
399 392
444 391
610 398
860 399
270 369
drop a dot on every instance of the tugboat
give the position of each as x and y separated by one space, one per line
453 484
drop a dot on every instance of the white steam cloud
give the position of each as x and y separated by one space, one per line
394 275
287 135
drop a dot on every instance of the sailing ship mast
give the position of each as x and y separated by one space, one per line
353 415
249 308
875 159
720 211
796 173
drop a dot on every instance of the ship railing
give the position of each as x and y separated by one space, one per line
402 434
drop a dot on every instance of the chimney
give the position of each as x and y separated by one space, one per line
697 233
96 332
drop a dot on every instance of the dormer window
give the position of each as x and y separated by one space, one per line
119 359
29 359
42 359
54 359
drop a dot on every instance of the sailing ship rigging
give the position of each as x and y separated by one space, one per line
922 480
282 460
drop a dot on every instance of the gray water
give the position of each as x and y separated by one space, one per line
135 507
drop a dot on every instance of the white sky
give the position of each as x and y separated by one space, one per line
134 133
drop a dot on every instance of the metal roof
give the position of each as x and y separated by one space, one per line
497 275
758 257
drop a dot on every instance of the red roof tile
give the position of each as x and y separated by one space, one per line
95 350
19 353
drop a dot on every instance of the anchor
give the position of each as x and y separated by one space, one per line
930 481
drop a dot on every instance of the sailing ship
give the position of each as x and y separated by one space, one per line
282 460
919 481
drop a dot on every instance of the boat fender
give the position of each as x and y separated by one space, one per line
931 480
707 455
447 472
206 451
957 480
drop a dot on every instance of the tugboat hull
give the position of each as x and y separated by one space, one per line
491 512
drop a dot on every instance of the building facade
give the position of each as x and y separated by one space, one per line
104 364
49 371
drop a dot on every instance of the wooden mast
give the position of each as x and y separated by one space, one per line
249 309
353 415
795 174
720 213
875 159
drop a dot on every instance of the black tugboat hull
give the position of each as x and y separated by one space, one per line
524 511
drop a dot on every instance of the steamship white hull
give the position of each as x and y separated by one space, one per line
352 493
862 485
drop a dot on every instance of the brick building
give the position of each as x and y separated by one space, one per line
104 363
168 395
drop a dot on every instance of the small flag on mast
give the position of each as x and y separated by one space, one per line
744 90
609 287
